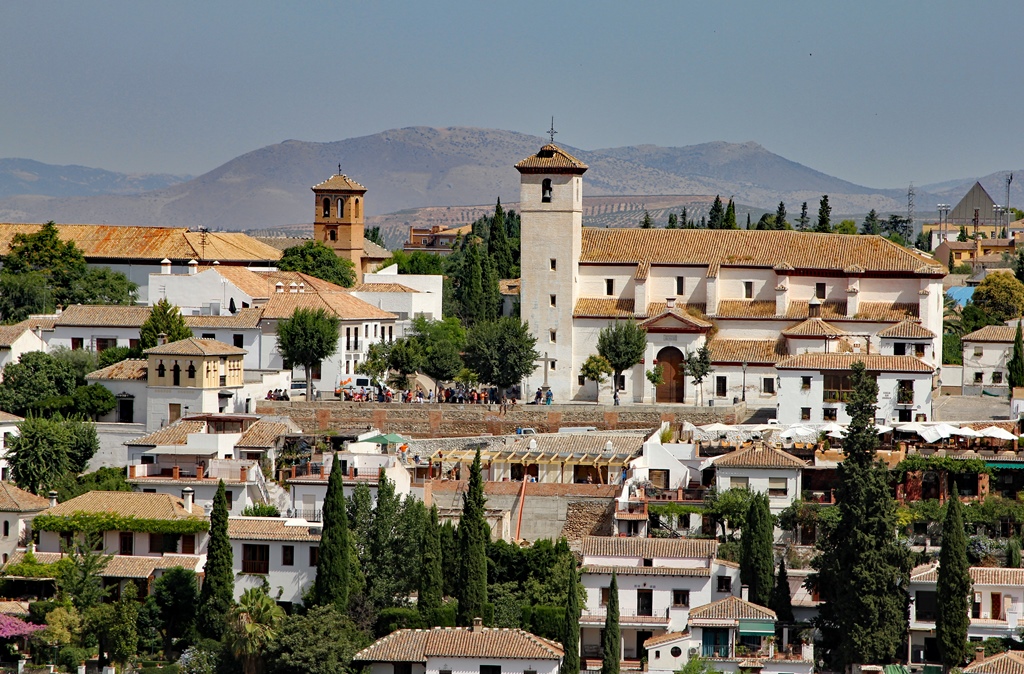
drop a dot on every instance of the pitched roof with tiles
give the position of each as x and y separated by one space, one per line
8 418
244 319
907 329
263 434
752 351
455 642
678 571
15 500
272 529
9 334
230 246
980 575
731 608
551 159
341 304
339 181
603 307
613 546
1010 662
131 369
126 504
375 251
382 288
814 327
122 566
172 434
112 315
753 248
759 456
992 333
843 361
311 283
193 346
509 286
674 316
666 638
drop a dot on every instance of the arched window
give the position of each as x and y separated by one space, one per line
341 208
356 210
161 370
7 528
327 207
191 370
545 191
176 374
332 235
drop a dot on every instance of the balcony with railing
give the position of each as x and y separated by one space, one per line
229 470
692 493
905 396
631 510
835 396
596 616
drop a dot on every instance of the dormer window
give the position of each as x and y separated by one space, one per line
545 191
327 207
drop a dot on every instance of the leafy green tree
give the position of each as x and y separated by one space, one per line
824 215
81 361
499 248
322 641
83 443
862 570
730 216
38 455
1013 553
962 235
1015 366
728 509
846 227
22 295
698 367
316 259
780 216
377 363
176 594
431 589
116 354
611 638
37 376
757 556
899 227
1000 296
123 634
165 318
93 401
953 587
596 368
871 224
501 352
804 222
332 569
104 479
306 338
374 234
254 624
646 222
473 548
79 582
716 216
217 596
924 242
442 361
417 262
104 286
571 638
622 344
404 358
782 599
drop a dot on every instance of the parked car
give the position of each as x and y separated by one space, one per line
298 390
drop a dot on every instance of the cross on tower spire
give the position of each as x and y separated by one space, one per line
551 131
339 169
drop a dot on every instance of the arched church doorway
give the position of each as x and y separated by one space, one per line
673 390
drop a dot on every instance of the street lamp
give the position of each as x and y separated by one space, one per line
943 218
999 209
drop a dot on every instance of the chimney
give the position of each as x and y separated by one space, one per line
670 303
979 655
278 287
814 308
187 495
165 266
161 339
293 287
193 267
478 625
745 593
53 498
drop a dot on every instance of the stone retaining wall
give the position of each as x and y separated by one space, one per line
453 420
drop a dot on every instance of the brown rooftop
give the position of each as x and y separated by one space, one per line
610 546
843 361
271 529
907 329
751 351
126 504
814 327
107 315
193 346
344 305
731 608
460 642
172 434
13 499
759 457
992 333
247 318
131 369
339 182
551 159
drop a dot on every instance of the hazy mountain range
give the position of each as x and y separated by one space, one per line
430 167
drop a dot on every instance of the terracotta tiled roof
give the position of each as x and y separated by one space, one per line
612 546
173 434
10 333
193 346
311 283
247 318
15 608
123 566
375 252
593 443
746 350
680 316
454 642
603 307
666 638
843 361
686 571
746 309
992 333
13 499
44 323
339 181
731 608
8 418
1010 662
643 270
383 288
509 286
272 529
342 304
551 158
263 434
907 329
131 369
113 315
230 246
126 504
887 311
752 248
249 282
759 457
980 575
597 491
814 327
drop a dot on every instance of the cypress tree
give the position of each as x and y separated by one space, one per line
571 635
862 570
492 289
611 640
431 574
782 599
824 216
757 559
217 595
953 587
748 220
716 216
646 222
804 221
683 221
382 582
450 558
1018 271
780 216
673 221
1013 553
473 548
1015 366
730 216
332 568
498 246
872 225
471 286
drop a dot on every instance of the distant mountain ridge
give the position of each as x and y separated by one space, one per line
27 176
419 167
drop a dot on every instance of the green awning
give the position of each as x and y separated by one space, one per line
900 669
757 628
1012 465
388 439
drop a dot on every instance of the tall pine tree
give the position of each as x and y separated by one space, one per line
332 568
473 548
431 592
611 639
646 222
804 220
780 216
824 216
716 216
782 598
471 285
757 558
382 581
498 246
571 631
953 587
1015 366
862 570
871 223
217 595
492 289
673 221
730 216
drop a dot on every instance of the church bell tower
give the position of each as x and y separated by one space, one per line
338 218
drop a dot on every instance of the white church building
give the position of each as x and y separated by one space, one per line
756 298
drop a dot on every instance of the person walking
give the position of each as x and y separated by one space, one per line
616 396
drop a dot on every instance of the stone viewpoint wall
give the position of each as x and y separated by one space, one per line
452 420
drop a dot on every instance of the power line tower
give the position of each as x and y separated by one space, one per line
910 208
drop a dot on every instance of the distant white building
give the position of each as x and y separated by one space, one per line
764 470
281 553
986 356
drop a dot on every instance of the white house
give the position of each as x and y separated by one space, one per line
97 327
17 508
8 429
763 469
986 356
683 285
308 483
282 553
461 650
20 338
406 295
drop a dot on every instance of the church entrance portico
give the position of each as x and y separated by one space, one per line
673 374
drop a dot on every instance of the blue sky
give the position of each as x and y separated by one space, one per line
879 93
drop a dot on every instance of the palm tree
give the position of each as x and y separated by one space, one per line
254 624
952 320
